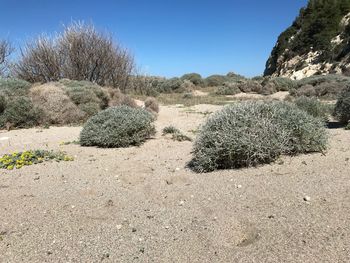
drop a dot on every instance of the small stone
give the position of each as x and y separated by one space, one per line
119 227
133 229
307 198
166 227
36 178
239 186
181 203
177 169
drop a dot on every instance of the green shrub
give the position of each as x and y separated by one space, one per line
195 78
177 135
250 86
251 133
228 89
312 106
280 83
171 85
342 107
215 80
3 103
21 113
89 97
118 127
11 87
170 130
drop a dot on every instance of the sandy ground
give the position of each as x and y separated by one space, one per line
142 204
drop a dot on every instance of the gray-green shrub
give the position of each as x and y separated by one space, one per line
20 113
342 107
12 87
251 133
195 78
312 106
118 127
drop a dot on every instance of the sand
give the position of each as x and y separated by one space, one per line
141 204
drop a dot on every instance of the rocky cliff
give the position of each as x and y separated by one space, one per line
318 42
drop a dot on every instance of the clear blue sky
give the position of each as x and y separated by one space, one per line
167 37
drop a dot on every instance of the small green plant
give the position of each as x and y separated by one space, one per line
17 160
116 127
177 135
170 130
195 78
251 133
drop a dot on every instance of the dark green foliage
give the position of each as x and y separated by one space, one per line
250 86
171 85
195 78
342 107
252 133
170 130
118 127
280 83
312 106
228 90
312 30
20 113
3 103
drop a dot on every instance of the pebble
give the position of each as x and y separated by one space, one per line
119 227
307 198
177 169
181 203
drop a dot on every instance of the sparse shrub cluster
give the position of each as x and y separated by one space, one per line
117 127
17 160
342 107
152 105
324 87
195 78
252 133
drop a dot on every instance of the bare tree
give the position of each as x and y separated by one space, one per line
40 61
5 51
80 52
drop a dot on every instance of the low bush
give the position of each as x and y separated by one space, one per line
312 106
89 98
20 113
228 89
11 87
177 135
306 90
118 127
171 85
280 83
3 103
152 105
19 159
56 106
116 98
215 80
252 133
195 78
250 86
342 107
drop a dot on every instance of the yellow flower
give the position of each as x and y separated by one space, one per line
10 167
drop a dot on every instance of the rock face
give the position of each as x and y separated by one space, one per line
318 42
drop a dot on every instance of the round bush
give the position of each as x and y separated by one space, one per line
342 107
312 106
250 133
118 127
20 113
195 78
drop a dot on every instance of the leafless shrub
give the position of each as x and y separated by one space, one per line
80 52
5 51
117 99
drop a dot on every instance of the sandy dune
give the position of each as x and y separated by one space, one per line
142 204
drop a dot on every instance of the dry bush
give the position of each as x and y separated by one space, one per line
56 106
117 98
152 105
80 52
5 51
